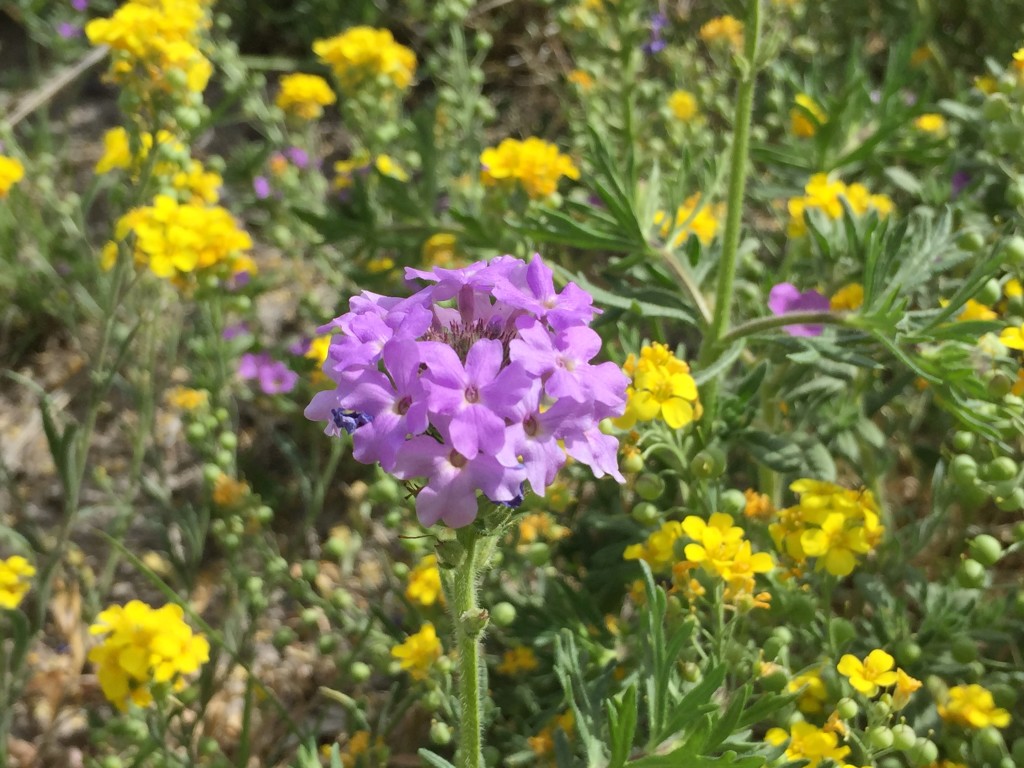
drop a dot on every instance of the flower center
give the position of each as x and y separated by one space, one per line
457 459
403 405
530 425
472 395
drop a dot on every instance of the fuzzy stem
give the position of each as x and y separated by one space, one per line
737 187
469 622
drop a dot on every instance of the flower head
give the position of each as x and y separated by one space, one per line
786 297
806 117
304 96
11 172
533 163
142 646
662 388
361 55
425 582
15 577
972 706
723 30
692 218
419 652
932 123
517 660
867 676
808 742
683 105
480 382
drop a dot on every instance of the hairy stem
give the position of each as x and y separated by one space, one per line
470 620
737 187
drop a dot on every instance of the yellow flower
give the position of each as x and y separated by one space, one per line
931 123
905 685
691 218
683 105
662 387
518 659
174 239
386 166
187 399
11 172
835 544
304 96
1013 337
808 742
419 652
811 688
535 164
345 170
659 549
425 582
228 492
15 575
581 79
975 310
358 744
825 194
318 349
920 55
439 250
972 706
850 297
362 54
867 676
723 29
540 525
142 646
802 125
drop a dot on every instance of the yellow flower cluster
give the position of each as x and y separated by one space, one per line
174 239
543 744
661 387
419 652
11 172
826 195
518 659
155 43
141 647
691 218
425 582
185 177
808 742
186 398
830 523
15 574
876 671
683 106
535 164
849 298
972 706
720 549
304 96
802 125
932 123
723 29
364 54
811 690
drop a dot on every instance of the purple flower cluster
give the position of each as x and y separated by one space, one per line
472 383
273 376
786 297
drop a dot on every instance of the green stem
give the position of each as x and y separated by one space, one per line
469 622
760 324
737 188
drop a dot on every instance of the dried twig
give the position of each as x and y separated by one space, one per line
48 90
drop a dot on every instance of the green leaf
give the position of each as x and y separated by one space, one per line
622 717
905 180
774 451
434 760
818 462
726 725
695 703
721 365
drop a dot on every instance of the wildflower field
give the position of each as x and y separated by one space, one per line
604 383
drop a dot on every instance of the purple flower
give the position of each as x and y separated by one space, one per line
298 156
959 182
261 186
234 331
656 43
786 297
471 383
274 377
80 5
68 30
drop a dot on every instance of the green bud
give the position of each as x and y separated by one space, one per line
440 733
228 440
774 682
732 501
971 574
208 746
1012 501
1017 751
964 650
708 464
907 652
991 743
310 569
111 761
633 463
310 617
990 292
773 647
649 486
1005 696
432 700
503 614
326 644
225 458
999 469
538 553
847 708
264 514
210 473
879 737
964 469
474 622
196 432
963 441
336 547
284 637
903 737
1013 251
231 541
359 671
986 549
971 241
999 385
923 753
341 598
841 631
691 672
645 513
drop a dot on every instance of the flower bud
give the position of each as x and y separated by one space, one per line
924 752
732 501
645 513
879 737
847 708
440 733
903 737
359 671
971 574
986 549
503 614
649 486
